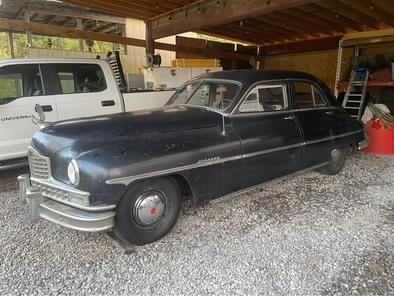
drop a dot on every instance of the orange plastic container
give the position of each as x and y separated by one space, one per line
380 140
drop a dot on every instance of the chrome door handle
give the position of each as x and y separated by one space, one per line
290 117
108 103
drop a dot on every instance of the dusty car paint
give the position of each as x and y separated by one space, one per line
215 152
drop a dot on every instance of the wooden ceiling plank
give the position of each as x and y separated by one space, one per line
250 27
265 26
111 8
215 12
314 21
386 5
347 12
74 13
306 21
290 25
368 8
329 16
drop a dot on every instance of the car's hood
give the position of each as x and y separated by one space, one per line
81 135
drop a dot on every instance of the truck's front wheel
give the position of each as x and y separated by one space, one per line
148 211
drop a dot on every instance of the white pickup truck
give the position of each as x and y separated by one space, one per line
65 88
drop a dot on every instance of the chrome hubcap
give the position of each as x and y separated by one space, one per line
149 208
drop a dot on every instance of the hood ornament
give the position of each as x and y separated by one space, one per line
40 120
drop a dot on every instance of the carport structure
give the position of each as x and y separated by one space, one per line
273 25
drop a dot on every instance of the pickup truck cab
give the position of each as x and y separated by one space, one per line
65 89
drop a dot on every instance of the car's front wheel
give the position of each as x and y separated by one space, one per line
148 210
337 162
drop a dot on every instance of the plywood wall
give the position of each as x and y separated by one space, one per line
322 64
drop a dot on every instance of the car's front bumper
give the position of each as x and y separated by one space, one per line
362 144
44 203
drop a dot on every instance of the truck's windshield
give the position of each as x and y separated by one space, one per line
212 94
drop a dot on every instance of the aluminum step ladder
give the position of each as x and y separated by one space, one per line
113 59
355 96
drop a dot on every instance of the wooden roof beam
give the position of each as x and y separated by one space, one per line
209 13
49 9
19 26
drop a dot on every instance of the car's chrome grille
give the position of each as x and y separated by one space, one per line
39 165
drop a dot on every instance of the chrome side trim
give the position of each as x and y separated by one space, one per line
198 164
328 108
272 150
129 179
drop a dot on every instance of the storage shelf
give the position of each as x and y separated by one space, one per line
343 84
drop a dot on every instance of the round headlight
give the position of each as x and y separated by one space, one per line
73 172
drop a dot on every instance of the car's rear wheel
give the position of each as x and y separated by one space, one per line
148 211
337 162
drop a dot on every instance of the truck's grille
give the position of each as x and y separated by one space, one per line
39 165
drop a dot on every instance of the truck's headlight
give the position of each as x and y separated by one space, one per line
73 172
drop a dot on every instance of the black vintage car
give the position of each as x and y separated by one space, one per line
218 134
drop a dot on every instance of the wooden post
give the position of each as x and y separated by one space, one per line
29 37
123 29
80 27
11 44
150 47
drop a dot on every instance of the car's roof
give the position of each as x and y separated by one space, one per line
248 77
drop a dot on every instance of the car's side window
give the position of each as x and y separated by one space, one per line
264 98
19 81
79 78
307 95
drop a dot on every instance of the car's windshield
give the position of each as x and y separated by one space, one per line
217 95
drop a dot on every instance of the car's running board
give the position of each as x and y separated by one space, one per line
232 195
13 164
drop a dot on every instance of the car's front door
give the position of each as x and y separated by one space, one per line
269 133
21 88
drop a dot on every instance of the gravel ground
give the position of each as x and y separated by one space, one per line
304 235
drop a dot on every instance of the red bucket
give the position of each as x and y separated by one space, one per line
380 139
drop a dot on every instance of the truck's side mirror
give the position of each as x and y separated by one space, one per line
40 112
40 121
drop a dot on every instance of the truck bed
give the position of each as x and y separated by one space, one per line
146 99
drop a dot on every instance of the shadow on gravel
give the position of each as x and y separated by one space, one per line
8 181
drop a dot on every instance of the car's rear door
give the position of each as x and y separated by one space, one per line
270 136
81 89
21 88
316 117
